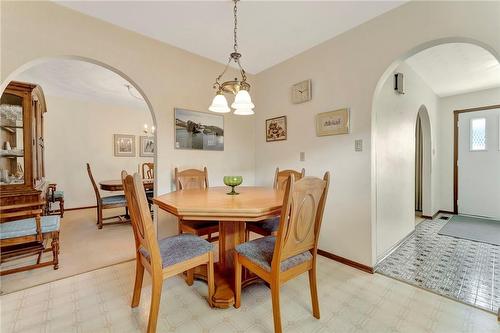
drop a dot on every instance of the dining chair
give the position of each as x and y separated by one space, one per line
277 259
270 226
148 172
108 202
161 258
195 179
53 196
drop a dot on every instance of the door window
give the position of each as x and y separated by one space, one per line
477 134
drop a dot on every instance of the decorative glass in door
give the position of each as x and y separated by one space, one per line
11 140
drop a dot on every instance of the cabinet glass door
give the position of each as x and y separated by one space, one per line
11 140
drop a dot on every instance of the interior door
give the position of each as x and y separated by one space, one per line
479 163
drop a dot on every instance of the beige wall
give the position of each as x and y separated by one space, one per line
346 72
395 157
168 77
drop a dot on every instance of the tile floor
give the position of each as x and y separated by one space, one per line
350 301
458 268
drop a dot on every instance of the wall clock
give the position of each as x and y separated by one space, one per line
301 92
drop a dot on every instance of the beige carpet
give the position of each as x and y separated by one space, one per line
83 248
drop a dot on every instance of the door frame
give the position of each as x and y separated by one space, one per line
456 113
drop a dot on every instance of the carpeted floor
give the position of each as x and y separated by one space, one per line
83 248
473 228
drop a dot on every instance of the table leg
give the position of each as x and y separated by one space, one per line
231 233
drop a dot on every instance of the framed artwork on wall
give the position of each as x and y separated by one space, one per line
276 129
147 146
333 122
124 145
198 130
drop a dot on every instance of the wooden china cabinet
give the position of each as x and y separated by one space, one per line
22 174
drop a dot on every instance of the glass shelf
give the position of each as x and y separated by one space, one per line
11 140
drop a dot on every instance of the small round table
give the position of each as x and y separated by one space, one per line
232 211
116 184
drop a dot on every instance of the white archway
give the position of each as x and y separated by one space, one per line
39 61
379 185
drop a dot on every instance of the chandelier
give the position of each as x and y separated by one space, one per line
146 129
242 101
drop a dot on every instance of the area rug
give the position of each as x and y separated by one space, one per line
473 228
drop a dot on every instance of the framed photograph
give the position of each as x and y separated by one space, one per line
276 129
198 130
124 145
333 122
147 146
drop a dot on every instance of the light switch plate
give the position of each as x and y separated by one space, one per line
302 156
358 145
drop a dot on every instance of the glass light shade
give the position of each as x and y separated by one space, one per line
242 101
219 104
244 111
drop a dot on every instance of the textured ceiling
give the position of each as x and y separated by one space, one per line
456 68
82 80
270 32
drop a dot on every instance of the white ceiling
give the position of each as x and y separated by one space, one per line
456 68
82 80
269 31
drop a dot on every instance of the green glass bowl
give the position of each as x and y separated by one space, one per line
233 181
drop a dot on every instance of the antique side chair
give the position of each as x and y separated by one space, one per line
53 196
24 232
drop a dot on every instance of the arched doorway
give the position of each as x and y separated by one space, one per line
414 130
91 116
423 163
393 158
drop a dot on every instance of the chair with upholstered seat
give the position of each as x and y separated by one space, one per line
24 232
53 196
108 202
195 179
270 226
164 258
293 251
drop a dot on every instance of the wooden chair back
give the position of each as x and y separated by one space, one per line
94 185
281 177
148 170
141 219
191 179
301 217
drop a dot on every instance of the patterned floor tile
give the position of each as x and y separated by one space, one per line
457 268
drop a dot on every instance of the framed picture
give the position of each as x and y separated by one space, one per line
276 129
147 146
124 145
333 122
198 130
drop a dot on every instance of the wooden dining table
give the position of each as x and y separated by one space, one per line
116 184
252 204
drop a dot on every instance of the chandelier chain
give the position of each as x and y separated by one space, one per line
235 12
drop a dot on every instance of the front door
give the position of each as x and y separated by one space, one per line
479 163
